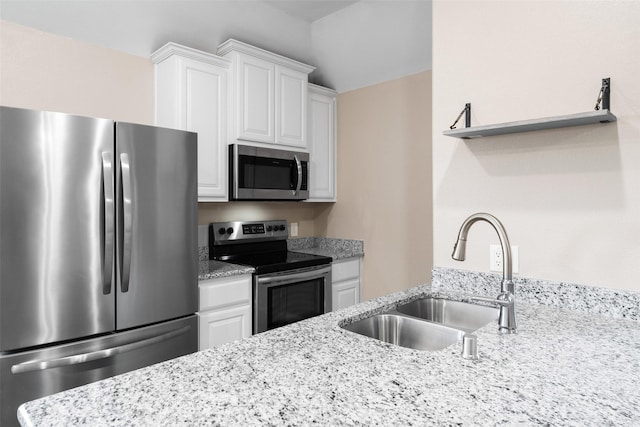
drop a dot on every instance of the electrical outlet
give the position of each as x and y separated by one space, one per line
294 229
495 258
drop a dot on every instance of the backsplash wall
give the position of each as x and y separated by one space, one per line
305 214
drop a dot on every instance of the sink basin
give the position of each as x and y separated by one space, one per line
459 315
406 332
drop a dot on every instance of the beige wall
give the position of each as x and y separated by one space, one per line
569 198
384 181
43 71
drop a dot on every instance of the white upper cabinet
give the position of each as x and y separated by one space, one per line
255 99
322 144
191 94
291 104
268 96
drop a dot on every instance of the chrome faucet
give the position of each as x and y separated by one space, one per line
506 300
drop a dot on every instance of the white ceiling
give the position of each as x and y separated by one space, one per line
351 43
310 10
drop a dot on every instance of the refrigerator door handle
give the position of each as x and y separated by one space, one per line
109 222
127 208
76 359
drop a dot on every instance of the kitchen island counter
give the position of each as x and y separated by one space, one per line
564 367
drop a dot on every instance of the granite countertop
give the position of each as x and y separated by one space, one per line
326 246
211 269
564 367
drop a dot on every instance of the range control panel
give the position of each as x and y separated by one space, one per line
238 231
253 229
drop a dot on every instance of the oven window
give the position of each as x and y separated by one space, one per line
265 173
294 302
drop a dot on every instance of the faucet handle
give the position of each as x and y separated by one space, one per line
503 300
506 302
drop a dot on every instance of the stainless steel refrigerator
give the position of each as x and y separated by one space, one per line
98 250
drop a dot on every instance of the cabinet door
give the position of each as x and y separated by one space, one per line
322 148
255 99
345 294
345 288
204 111
218 327
291 107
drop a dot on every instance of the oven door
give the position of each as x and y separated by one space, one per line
267 174
290 296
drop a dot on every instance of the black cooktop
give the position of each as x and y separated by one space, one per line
266 257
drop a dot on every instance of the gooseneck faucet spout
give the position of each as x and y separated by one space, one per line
506 299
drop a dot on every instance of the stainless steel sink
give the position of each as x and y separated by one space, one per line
406 332
460 315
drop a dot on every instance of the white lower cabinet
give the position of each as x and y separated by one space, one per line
345 283
219 327
225 310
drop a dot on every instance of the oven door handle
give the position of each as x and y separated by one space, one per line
294 277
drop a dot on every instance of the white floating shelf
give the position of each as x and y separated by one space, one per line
580 119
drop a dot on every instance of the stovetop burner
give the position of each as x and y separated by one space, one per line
261 245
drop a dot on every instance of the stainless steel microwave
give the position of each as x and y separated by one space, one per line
257 173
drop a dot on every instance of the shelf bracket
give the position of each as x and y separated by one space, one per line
604 95
467 117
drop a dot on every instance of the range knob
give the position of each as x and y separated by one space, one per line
269 228
282 227
222 230
229 230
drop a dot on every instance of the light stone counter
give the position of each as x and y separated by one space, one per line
337 249
564 367
210 269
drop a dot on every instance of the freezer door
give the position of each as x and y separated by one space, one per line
157 256
56 228
29 375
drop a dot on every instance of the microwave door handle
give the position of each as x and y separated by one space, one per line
109 222
299 169
127 209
